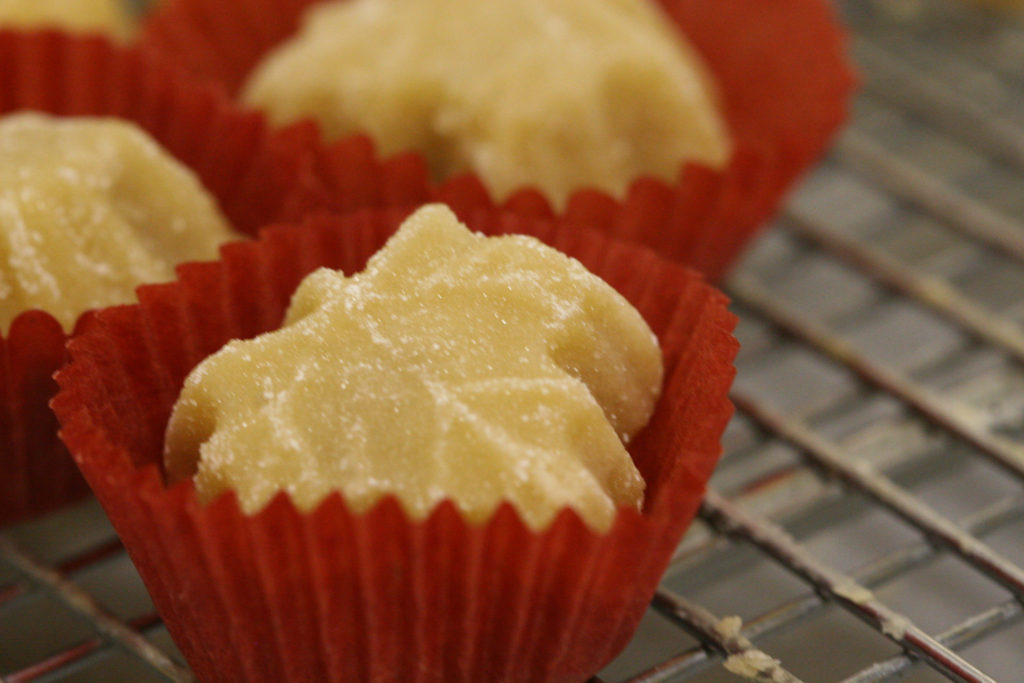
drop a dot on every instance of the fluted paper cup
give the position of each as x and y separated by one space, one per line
780 67
334 595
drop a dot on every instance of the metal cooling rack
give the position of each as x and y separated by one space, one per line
867 520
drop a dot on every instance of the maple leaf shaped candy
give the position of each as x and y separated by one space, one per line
89 209
456 366
560 94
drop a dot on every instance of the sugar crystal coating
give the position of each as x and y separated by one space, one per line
455 366
558 93
90 209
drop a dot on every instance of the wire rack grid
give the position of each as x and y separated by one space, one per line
867 520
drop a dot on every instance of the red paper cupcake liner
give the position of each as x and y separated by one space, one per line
781 70
338 596
257 175
38 475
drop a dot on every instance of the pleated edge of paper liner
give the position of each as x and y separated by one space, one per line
222 41
113 484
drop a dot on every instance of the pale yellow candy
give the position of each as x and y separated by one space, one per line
109 17
455 366
558 93
90 209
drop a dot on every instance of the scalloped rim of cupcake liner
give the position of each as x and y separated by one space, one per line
375 596
258 175
782 74
712 214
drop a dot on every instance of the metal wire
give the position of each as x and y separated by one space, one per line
932 195
883 569
1004 453
837 587
928 98
79 601
929 290
723 636
861 477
